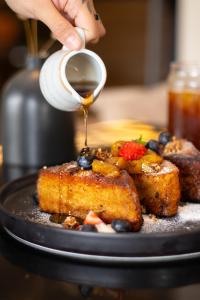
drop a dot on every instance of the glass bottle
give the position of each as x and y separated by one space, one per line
184 101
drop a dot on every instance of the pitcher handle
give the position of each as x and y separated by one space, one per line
81 34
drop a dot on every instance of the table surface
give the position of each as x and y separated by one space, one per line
45 276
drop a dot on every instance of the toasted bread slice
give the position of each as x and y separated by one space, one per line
68 189
187 158
157 181
159 189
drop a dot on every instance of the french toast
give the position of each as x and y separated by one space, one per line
71 190
157 180
187 158
159 189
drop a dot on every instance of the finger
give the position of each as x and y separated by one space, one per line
97 17
85 19
60 27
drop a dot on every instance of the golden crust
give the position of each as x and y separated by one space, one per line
159 191
189 167
66 189
186 157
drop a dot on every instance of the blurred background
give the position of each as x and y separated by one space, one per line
143 37
137 48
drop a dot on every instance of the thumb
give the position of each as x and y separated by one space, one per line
61 28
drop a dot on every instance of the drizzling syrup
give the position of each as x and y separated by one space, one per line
85 89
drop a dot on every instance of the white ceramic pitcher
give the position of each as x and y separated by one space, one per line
65 66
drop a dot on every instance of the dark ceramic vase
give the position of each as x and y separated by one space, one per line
33 133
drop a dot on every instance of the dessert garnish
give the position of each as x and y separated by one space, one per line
92 218
105 168
164 137
121 226
92 222
132 150
85 159
153 145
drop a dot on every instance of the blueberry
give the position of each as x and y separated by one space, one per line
121 225
85 161
153 145
164 137
88 227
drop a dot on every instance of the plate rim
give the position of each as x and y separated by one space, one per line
104 258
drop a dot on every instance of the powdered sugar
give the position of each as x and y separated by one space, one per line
187 218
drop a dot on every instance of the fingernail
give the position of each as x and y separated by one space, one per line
72 42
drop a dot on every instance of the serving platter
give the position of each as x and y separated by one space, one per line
166 239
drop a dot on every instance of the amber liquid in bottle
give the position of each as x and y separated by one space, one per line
85 89
184 115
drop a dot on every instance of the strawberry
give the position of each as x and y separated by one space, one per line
92 218
132 150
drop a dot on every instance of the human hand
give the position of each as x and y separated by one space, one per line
61 16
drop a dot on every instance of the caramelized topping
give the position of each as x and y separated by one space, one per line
173 147
105 168
70 223
119 162
144 163
116 147
152 168
102 154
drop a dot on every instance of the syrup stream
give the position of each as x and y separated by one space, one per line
85 112
85 107
85 89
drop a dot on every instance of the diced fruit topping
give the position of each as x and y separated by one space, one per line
119 162
116 147
132 150
121 226
153 145
92 218
88 227
164 138
105 168
104 228
136 166
85 161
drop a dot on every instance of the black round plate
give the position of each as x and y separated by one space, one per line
162 275
158 237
